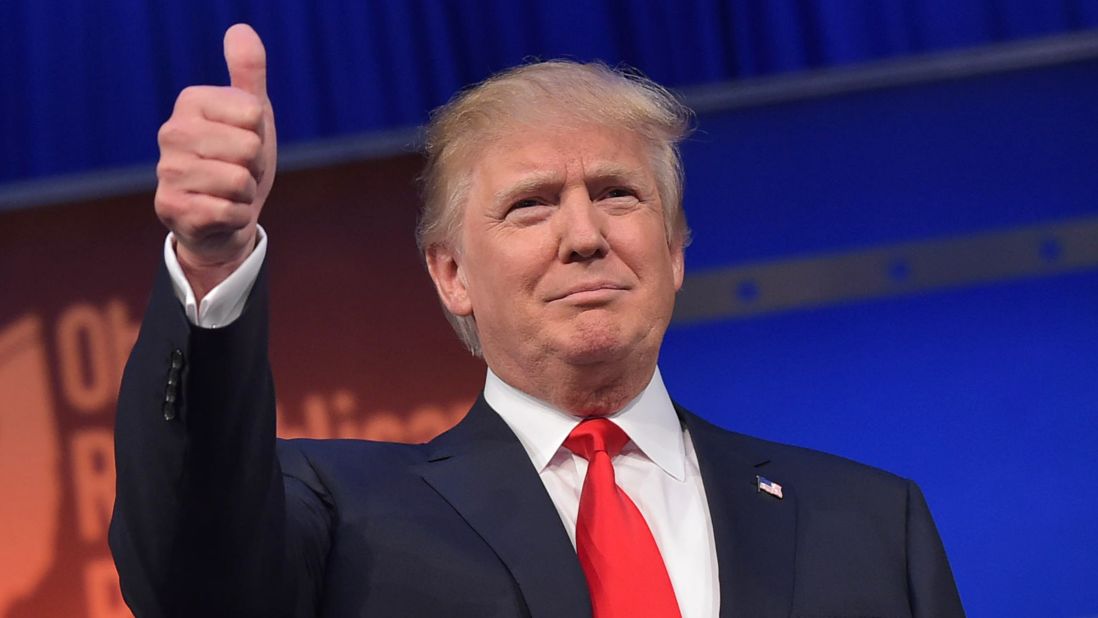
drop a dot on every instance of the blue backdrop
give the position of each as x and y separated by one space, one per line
985 392
86 83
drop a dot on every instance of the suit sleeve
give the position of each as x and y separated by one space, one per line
931 589
200 524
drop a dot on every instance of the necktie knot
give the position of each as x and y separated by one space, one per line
594 435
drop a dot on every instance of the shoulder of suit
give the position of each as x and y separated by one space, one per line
312 458
805 467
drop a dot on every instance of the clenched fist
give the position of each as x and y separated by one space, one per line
217 163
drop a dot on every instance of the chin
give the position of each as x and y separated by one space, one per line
594 343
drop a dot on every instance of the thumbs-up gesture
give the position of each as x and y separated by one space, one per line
217 163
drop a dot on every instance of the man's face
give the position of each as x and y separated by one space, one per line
563 256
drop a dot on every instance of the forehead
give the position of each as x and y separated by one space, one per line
562 152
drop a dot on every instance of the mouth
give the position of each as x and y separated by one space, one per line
598 291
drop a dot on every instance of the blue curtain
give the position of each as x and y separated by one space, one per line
86 83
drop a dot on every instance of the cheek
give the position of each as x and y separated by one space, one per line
646 253
499 283
518 260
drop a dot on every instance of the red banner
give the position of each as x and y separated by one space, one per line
359 349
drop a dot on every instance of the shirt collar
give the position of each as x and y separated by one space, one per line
649 420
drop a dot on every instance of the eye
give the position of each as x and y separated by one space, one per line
524 203
527 211
618 192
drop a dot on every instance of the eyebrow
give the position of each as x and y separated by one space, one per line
528 184
540 180
608 170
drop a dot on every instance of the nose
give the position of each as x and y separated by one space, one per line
582 230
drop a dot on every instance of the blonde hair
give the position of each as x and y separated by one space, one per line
572 92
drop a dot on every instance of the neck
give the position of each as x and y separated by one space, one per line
586 390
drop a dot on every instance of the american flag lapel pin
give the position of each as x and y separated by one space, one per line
769 486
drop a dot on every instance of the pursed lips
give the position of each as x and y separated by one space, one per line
593 286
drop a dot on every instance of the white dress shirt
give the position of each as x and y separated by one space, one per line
658 468
222 305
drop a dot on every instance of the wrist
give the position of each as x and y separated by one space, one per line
206 270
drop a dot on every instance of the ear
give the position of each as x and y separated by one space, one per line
678 262
444 265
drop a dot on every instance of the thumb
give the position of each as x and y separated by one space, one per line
246 60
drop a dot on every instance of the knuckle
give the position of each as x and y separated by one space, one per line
167 206
188 97
161 202
167 170
176 134
251 112
196 94
251 146
239 179
169 133
240 185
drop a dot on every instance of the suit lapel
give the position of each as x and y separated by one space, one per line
481 469
755 533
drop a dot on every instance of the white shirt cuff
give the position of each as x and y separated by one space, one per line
223 304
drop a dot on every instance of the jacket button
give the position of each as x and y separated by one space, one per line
171 388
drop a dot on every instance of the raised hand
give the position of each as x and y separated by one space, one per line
218 154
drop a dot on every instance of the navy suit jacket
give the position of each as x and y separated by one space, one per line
214 516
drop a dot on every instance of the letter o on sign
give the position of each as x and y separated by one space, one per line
88 375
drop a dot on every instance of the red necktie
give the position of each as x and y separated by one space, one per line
623 565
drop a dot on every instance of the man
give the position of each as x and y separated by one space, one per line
553 230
